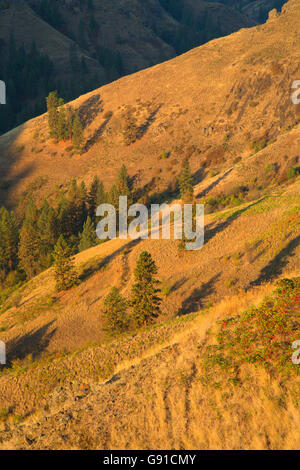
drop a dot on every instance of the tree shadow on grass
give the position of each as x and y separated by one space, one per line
143 129
100 264
214 184
196 300
35 342
178 284
275 267
90 109
96 135
211 232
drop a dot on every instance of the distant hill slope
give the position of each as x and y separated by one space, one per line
87 50
214 105
255 9
215 371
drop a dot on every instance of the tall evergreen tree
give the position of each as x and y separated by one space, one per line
29 247
92 197
186 184
48 230
53 113
144 299
9 239
116 313
101 197
69 122
64 268
123 184
88 237
72 210
77 134
62 124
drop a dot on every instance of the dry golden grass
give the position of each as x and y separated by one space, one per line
197 105
147 390
244 246
158 397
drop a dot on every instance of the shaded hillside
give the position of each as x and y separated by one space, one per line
215 105
214 369
85 49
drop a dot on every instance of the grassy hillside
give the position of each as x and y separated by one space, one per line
215 368
57 345
84 48
236 102
183 383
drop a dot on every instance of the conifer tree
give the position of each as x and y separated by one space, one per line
97 196
83 192
113 197
48 230
77 134
9 239
101 195
123 184
73 210
29 249
64 268
92 197
69 122
144 299
88 237
53 114
115 313
186 184
62 125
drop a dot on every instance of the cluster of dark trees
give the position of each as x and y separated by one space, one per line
30 76
193 31
27 75
47 9
142 307
29 244
27 247
64 122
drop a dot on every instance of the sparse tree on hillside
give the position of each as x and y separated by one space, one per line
62 125
88 237
48 230
115 312
9 239
29 249
186 184
69 122
77 134
53 114
144 299
92 197
123 184
101 195
30 244
64 268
